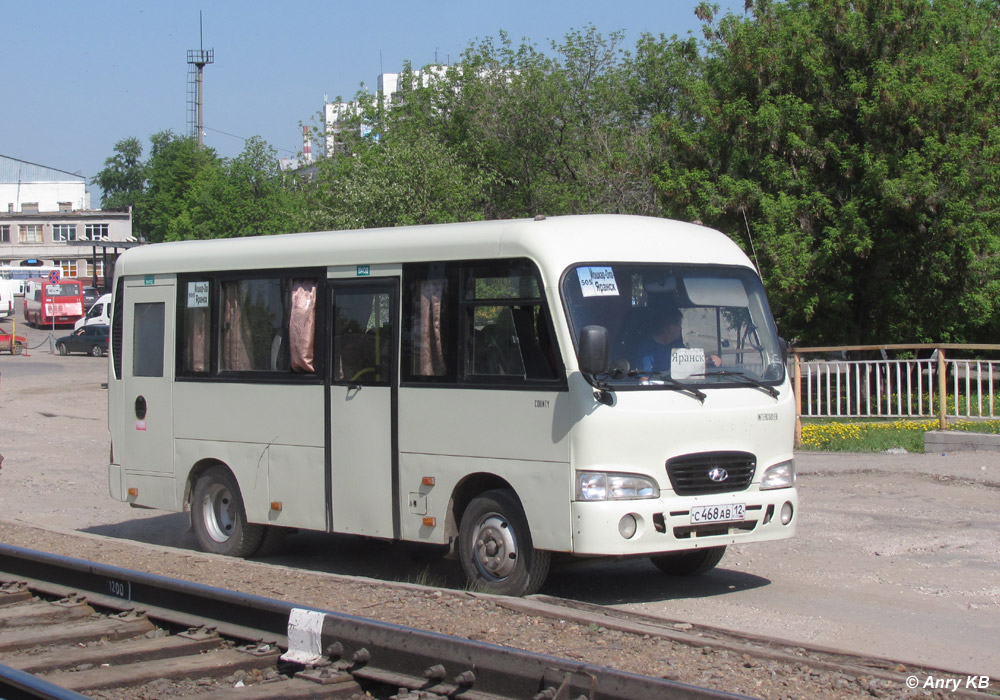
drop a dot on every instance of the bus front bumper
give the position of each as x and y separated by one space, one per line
665 524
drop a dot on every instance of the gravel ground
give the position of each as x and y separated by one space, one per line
476 617
53 497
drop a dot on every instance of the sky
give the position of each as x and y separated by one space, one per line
81 76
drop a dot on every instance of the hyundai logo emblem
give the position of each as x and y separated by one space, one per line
718 474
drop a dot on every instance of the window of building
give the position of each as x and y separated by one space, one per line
69 267
29 233
29 207
5 234
96 232
99 270
63 232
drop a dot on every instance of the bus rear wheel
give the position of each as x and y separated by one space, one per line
219 517
495 547
693 562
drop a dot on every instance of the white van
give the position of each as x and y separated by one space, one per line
100 312
6 298
481 386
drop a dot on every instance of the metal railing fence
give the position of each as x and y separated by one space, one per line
924 383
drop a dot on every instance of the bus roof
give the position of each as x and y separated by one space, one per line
555 243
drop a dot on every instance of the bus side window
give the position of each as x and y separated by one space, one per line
429 315
194 327
507 331
363 333
147 340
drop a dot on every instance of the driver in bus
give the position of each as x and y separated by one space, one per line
665 333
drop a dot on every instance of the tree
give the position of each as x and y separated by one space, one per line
245 196
175 165
859 140
123 180
401 179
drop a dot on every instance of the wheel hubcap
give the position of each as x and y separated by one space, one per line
495 547
219 513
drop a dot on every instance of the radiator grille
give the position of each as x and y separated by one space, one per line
691 475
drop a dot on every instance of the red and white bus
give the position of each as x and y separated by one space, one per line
53 303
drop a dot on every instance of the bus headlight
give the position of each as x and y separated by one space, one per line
602 486
778 476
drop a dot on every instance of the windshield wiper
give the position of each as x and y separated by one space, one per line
673 383
746 379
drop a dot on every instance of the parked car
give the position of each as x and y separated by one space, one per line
89 339
90 295
99 313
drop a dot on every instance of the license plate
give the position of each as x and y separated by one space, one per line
731 512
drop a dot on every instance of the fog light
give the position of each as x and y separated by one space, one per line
786 513
627 526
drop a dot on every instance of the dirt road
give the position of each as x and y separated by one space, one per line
897 555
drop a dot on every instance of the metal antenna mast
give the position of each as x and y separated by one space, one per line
197 60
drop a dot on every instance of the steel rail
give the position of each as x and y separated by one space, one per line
365 648
18 685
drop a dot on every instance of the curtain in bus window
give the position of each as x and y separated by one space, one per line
235 350
427 331
194 332
253 324
302 326
195 356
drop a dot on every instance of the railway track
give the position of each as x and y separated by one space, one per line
69 626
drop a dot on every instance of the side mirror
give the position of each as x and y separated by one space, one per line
594 350
783 347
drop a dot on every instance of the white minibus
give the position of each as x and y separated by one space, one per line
98 313
587 385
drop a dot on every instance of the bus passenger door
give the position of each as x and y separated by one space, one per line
362 435
147 376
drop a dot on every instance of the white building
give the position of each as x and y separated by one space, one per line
45 215
390 85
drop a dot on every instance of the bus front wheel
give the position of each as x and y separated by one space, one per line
495 547
693 562
219 518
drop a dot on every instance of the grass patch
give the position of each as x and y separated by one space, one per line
878 436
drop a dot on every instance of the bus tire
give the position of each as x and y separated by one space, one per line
219 518
61 349
693 562
495 547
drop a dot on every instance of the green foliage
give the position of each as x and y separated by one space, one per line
851 146
879 436
184 192
404 179
855 138
123 178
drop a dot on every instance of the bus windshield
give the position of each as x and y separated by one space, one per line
700 325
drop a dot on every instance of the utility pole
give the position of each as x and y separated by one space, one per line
198 59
